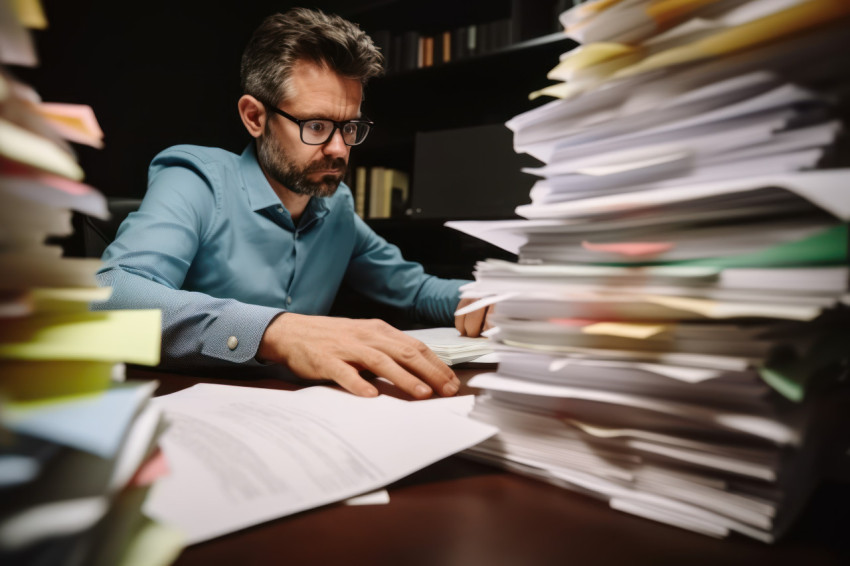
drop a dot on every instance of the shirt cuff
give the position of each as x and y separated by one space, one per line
235 334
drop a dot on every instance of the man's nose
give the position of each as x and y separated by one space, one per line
336 145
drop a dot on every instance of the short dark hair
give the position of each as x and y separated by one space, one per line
282 39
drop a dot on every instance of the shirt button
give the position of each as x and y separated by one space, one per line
280 209
288 302
232 342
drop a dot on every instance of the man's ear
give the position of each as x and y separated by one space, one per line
253 114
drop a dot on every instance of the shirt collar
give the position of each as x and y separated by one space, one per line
260 193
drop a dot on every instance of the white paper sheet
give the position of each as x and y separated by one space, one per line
784 433
240 456
825 189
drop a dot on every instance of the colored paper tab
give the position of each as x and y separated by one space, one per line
131 336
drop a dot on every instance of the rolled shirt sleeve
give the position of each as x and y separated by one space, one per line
197 330
378 270
153 253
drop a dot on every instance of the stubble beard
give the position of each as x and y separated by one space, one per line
285 171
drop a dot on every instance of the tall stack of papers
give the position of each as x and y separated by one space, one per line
671 337
79 445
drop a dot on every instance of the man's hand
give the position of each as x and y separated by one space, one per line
321 347
473 323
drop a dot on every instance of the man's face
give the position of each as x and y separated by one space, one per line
313 170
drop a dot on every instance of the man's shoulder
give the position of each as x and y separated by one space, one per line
197 154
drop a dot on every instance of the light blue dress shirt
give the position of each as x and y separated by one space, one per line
214 248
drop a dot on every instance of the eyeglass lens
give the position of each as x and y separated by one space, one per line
320 131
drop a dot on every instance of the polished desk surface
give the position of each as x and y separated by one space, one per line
460 512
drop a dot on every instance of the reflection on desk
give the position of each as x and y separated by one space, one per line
460 512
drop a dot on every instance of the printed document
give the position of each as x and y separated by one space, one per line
239 456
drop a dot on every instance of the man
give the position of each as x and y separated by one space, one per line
245 254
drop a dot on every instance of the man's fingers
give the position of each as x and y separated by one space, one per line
488 310
384 366
300 341
460 321
459 325
474 322
349 379
413 368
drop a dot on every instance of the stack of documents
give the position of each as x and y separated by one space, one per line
672 336
452 348
79 447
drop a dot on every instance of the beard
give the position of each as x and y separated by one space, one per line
285 171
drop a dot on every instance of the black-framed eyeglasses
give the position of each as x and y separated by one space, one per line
319 131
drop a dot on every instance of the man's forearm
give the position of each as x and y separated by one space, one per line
198 330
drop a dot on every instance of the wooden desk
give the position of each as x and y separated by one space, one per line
459 512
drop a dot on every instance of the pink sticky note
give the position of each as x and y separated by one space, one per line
152 469
631 249
67 185
15 169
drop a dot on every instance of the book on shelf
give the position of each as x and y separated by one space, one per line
381 192
376 178
419 48
446 41
410 51
360 190
388 192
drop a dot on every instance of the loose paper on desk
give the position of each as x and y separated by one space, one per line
240 456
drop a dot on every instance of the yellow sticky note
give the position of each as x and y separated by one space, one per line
582 13
625 329
132 336
46 300
23 146
153 544
30 13
560 90
669 12
30 380
704 307
769 28
586 56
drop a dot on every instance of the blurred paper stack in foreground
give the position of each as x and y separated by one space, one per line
78 444
673 338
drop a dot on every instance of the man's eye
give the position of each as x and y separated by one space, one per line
316 126
349 128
